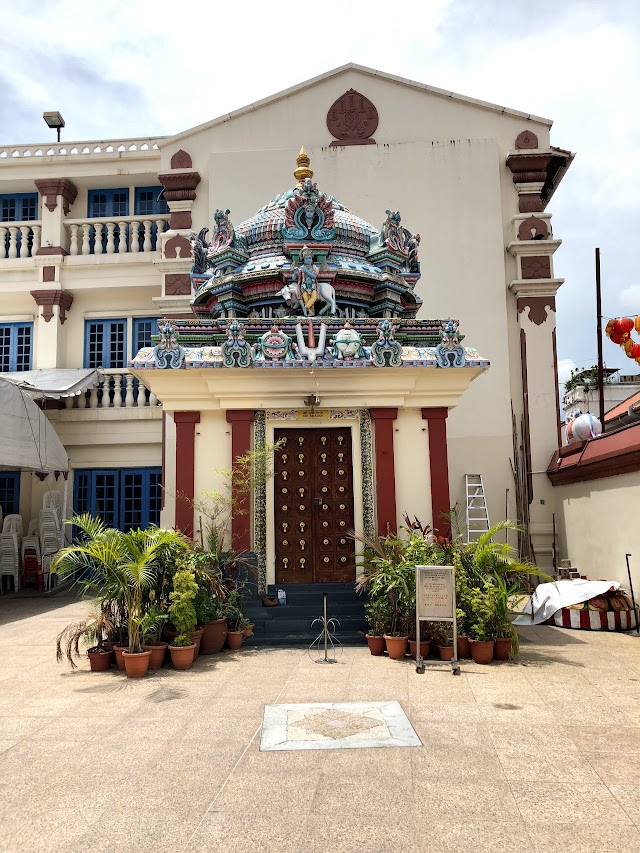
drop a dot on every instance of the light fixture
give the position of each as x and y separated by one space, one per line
312 401
54 120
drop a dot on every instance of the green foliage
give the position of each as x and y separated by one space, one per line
378 614
123 570
483 616
151 625
182 610
93 630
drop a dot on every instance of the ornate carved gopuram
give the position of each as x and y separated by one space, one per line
305 282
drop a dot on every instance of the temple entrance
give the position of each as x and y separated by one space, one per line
313 491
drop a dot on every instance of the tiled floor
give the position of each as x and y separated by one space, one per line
540 755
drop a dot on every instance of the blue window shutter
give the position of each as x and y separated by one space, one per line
147 202
105 343
125 498
104 203
143 329
16 345
10 492
18 207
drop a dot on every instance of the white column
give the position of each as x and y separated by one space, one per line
128 394
135 244
73 248
93 396
86 234
3 234
68 402
111 247
147 235
35 244
159 228
99 226
153 400
13 242
122 246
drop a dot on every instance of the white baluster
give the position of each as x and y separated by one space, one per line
111 246
159 229
13 242
135 244
111 386
68 402
122 245
147 235
153 400
86 234
35 244
73 246
3 234
93 397
97 249
128 398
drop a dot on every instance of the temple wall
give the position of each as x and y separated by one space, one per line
600 507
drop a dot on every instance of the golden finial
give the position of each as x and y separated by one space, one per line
303 171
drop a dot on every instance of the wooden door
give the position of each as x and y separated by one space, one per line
313 498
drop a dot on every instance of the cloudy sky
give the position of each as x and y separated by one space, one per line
140 68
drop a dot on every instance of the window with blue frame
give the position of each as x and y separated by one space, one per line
143 329
16 343
125 498
19 207
107 204
105 343
148 202
10 492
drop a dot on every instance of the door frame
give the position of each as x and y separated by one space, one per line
326 423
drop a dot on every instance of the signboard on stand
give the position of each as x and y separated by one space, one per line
436 602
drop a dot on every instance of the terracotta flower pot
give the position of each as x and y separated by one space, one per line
375 643
101 661
482 651
119 659
234 639
464 647
248 631
196 636
396 646
158 653
502 648
182 656
446 652
213 636
424 648
136 663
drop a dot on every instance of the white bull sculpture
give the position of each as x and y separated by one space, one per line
326 292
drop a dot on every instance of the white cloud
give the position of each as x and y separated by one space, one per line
630 298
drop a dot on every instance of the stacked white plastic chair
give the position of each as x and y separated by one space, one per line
32 540
10 542
49 541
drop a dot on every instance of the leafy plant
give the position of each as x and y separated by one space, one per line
151 625
93 629
484 606
507 600
378 615
182 610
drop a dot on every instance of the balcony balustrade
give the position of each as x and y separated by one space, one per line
118 390
128 235
19 239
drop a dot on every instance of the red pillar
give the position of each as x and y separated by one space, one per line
439 467
240 420
385 469
185 468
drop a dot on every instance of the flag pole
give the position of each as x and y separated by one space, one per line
599 339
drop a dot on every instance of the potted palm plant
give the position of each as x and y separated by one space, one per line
151 630
95 629
183 616
377 614
506 600
483 626
235 624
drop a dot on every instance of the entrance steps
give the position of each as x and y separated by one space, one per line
290 625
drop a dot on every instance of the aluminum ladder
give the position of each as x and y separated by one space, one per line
477 515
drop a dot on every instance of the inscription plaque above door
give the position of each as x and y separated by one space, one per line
312 545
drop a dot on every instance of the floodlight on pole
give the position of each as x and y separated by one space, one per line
54 120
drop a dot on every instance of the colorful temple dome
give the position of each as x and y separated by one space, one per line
305 253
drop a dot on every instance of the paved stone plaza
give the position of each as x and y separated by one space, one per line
539 756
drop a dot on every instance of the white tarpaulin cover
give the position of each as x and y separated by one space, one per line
550 597
53 383
28 442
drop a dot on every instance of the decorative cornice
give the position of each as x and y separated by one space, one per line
180 186
52 250
535 287
54 188
181 160
46 299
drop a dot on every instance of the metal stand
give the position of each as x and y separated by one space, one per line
633 600
326 636
455 663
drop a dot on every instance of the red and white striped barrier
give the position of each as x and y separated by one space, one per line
594 620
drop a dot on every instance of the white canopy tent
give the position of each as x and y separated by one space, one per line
28 441
53 383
